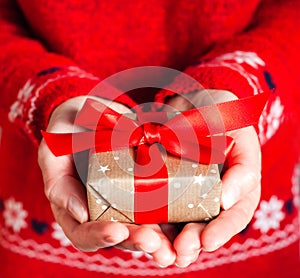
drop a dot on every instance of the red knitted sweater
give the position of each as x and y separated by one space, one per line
53 50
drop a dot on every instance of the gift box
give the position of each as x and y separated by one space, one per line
192 193
157 187
156 167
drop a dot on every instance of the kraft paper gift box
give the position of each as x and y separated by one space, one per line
193 190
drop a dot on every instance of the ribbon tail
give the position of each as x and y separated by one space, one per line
220 118
68 143
209 150
96 115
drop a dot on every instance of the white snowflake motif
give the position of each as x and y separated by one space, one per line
269 215
296 186
234 61
25 92
14 215
17 107
269 122
249 58
59 235
75 71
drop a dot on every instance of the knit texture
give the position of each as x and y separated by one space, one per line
51 51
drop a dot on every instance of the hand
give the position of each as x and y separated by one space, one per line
240 190
67 197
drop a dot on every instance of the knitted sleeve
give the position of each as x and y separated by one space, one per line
46 79
264 56
33 80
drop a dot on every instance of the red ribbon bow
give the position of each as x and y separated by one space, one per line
197 134
200 128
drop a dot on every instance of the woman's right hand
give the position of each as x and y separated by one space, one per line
68 200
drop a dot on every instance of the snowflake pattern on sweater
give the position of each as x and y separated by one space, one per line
237 46
14 215
269 215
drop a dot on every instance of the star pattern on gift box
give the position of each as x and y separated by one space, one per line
199 179
103 169
269 215
59 235
14 215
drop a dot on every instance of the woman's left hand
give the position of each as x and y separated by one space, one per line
240 186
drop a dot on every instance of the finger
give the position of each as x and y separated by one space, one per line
230 222
63 117
178 103
237 182
61 186
150 239
141 238
69 194
90 236
244 167
165 255
198 99
188 244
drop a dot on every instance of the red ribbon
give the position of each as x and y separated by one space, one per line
196 134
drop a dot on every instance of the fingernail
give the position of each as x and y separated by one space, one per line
150 249
76 208
227 202
230 197
179 265
213 247
183 265
162 266
217 244
185 261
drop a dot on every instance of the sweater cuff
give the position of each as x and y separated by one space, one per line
49 88
41 94
241 72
